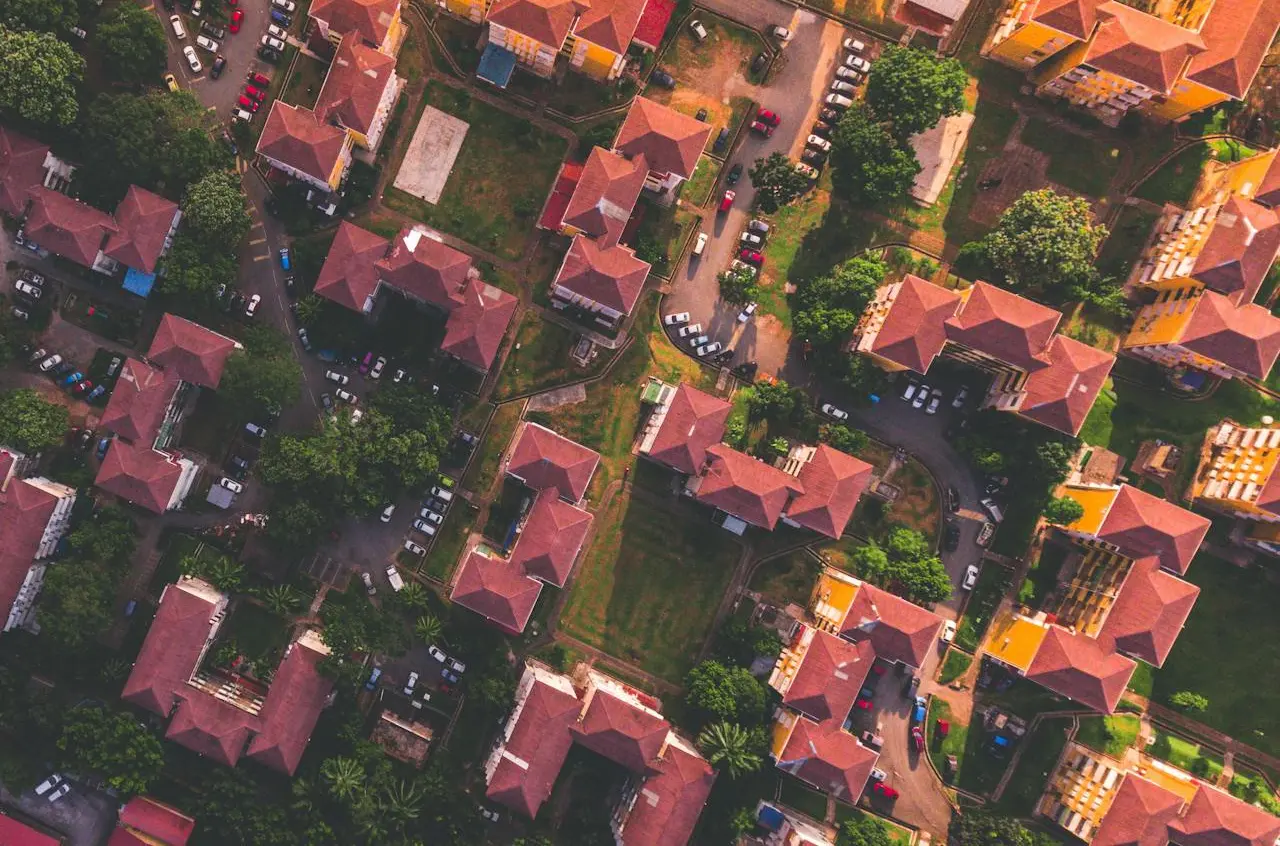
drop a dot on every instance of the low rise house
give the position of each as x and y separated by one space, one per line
669 142
23 164
296 142
375 23
35 514
1236 475
148 822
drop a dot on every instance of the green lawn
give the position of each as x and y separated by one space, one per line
1109 735
978 770
442 558
484 465
303 87
895 832
804 799
956 665
542 361
1186 755
1077 162
991 128
992 583
499 181
650 584
787 578
1176 180
1038 760
260 635
1129 233
698 189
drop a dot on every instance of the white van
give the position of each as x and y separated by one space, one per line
393 576
838 101
700 244
178 29
989 506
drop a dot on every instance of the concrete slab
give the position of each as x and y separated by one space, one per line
937 150
427 163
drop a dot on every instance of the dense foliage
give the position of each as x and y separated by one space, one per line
29 422
777 182
38 77
113 743
133 44
912 89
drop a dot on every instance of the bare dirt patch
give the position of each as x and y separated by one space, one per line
1018 169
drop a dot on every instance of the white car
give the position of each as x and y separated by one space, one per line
197 8
961 396
854 45
193 61
750 239
932 408
841 87
179 30
252 307
676 319
410 546
695 26
970 577
241 114
701 243
818 143
346 396
22 286
273 43
878 774
287 5
207 43
694 329
48 784
387 512
438 654
431 516
709 349
807 171
747 313
699 340
424 527
336 377
857 63
375 372
838 101
910 391
921 397
272 29
781 33
60 791
368 584
848 75
231 485
948 631
833 412
50 363
408 686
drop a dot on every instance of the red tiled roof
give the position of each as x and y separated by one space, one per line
1244 338
833 482
297 694
171 650
1080 669
694 421
155 819
610 23
666 808
1240 249
535 751
898 629
24 514
547 21
139 401
1139 815
914 331
1140 524
298 138
830 759
124 837
746 487
561 192
370 18
829 677
1149 612
68 227
210 727
139 474
653 23
14 833
496 590
551 539
621 732
190 351
1074 17
425 268
1216 818
144 220
606 193
1061 395
1268 192
670 142
1141 47
475 330
21 168
613 276
1237 33
544 459
354 85
349 276
1004 325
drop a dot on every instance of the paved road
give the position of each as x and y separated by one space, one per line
85 816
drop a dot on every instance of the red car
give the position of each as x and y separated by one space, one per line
255 93
766 116
863 703
761 127
884 790
751 257
943 729
259 80
237 18
727 200
246 103
82 387
917 738
233 3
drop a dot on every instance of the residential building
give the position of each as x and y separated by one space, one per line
22 167
218 715
298 143
148 822
669 142
1236 475
670 780
146 224
359 91
376 23
20 834
544 460
34 515
1035 373
1165 62
936 17
606 282
534 31
604 196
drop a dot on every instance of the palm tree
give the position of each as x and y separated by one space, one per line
428 628
401 800
345 776
729 744
114 670
281 599
225 574
413 595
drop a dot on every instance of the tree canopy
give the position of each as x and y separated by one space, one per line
133 44
912 89
263 378
78 600
869 165
777 182
1045 242
114 744
29 422
39 15
1063 511
863 830
738 286
983 828
38 77
723 693
192 272
215 211
905 564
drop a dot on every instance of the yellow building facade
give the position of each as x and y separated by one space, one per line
1236 472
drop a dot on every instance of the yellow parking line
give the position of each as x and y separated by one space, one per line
258 241
261 258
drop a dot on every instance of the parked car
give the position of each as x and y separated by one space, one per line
833 412
231 485
661 77
346 396
273 43
50 363
715 346
60 791
37 355
698 340
734 174
218 66
326 401
961 396
822 129
72 379
242 115
701 243
932 408
953 499
736 265
848 75
179 30
20 313
212 30
838 101
950 537
410 546
923 395
727 200
255 93
993 510
287 5
751 257
769 117
336 377
676 319
841 87
431 516
437 653
830 116
750 239
276 32
172 81
948 631
394 579
884 791
692 330
701 115
95 393
379 365
917 738
818 143
237 18
854 45
814 159
252 307
425 527
372 683
368 583
747 313
27 289
857 63
409 685
286 262
695 26
985 533
807 171
248 103
758 226
304 339
258 79
206 43
762 128
759 62
49 783
193 61
101 451
781 33
449 676
970 577
268 54
722 140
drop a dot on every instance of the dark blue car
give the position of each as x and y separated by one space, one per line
103 446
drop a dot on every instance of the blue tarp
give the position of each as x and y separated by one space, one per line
496 65
1193 380
137 282
770 817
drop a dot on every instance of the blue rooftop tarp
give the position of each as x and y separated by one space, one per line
496 65
770 817
137 282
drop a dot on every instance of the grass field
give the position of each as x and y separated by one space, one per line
956 665
542 361
499 181
1109 735
698 189
1176 180
1129 233
1076 162
787 578
484 466
442 558
1038 760
649 585
992 125
992 583
1186 755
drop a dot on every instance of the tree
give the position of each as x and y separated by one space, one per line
1189 701
427 628
843 438
215 210
29 422
983 828
132 43
413 595
731 745
76 604
193 273
343 776
904 544
1045 241
38 77
725 694
260 380
871 563
1063 511
220 571
923 580
913 89
282 600
738 286
1050 464
402 800
39 15
869 165
112 743
295 524
740 643
863 830
849 285
770 401
777 182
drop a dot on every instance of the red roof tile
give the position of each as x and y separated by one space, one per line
670 142
610 23
1078 668
666 808
210 727
653 23
621 732
1244 338
354 85
1216 818
476 328
171 650
21 168
535 751
1237 33
829 677
14 833
830 759
297 695
24 514
1141 47
561 193
898 629
694 421
547 21
833 483
1139 815
370 18
139 474
746 487
141 396
606 193
144 220
349 276
425 268
1140 524
1061 395
1004 325
190 351
68 227
1240 249
496 590
155 819
298 138
1074 17
612 277
914 331
1149 612
1268 191
543 459
551 539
